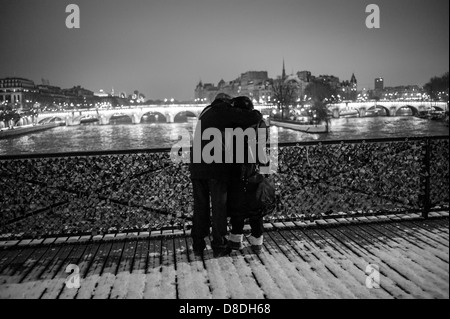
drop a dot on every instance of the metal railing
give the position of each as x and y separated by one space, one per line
142 190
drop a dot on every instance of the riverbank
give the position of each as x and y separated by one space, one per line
27 129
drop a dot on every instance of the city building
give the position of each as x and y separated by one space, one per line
304 76
379 84
78 91
331 80
17 91
254 84
349 89
403 93
24 94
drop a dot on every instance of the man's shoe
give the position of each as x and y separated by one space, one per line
198 252
198 247
220 252
235 242
256 243
220 249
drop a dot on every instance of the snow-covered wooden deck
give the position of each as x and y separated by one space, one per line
298 261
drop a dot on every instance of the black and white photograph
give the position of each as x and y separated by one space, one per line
223 155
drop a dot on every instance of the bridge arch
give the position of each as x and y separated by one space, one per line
379 107
438 108
182 116
414 110
50 120
124 118
349 111
153 117
79 118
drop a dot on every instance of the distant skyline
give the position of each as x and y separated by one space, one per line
163 48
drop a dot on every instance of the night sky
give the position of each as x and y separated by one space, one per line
163 48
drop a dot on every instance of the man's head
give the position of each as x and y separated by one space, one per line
243 102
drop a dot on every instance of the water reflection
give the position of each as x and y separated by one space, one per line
123 135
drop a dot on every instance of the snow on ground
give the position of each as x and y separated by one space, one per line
312 263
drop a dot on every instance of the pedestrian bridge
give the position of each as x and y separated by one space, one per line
167 114
391 108
123 219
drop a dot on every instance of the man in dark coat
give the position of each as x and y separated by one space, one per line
210 178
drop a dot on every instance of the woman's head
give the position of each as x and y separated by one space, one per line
243 102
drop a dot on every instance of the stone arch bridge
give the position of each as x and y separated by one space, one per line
166 114
391 108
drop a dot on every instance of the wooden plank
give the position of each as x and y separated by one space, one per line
144 234
187 288
293 268
434 238
430 248
154 268
83 262
80 256
433 234
109 271
7 256
33 284
36 242
24 242
41 265
141 256
252 289
18 268
61 240
289 224
49 274
320 274
265 278
234 287
345 269
217 282
73 239
353 253
49 241
168 288
84 239
438 228
25 285
136 285
414 266
11 243
388 267
90 280
199 273
123 273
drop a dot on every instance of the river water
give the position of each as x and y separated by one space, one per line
94 137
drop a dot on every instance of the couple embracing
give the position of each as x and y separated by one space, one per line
225 175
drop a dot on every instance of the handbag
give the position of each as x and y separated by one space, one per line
259 191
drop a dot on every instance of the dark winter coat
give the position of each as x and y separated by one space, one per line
220 115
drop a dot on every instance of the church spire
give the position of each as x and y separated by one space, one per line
283 75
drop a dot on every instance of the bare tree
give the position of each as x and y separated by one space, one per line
437 88
284 95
